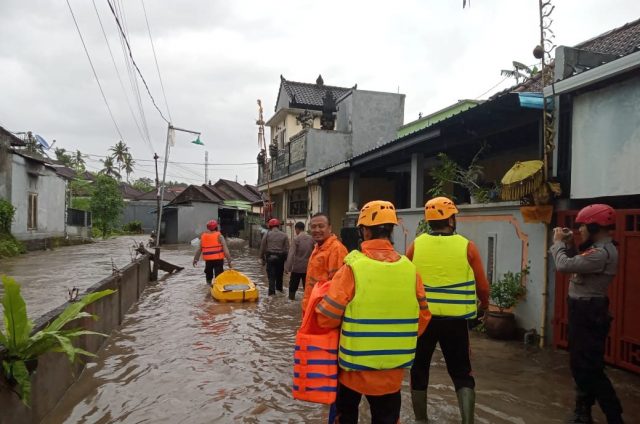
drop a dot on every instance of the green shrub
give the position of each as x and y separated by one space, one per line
134 227
81 203
23 347
7 211
9 246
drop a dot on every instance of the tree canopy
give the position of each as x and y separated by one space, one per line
106 203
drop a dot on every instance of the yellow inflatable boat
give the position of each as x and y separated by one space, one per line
234 286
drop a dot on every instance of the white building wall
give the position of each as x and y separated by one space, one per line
51 191
516 244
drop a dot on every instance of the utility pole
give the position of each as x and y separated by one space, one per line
206 167
155 158
170 142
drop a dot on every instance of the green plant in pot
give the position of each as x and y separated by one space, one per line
505 294
22 348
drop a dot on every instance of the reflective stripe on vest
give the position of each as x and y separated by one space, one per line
380 324
315 363
211 247
448 278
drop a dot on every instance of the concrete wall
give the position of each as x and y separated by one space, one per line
143 211
51 191
326 148
518 244
187 221
375 119
55 374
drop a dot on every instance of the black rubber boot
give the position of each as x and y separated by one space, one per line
292 296
467 403
209 280
419 402
582 412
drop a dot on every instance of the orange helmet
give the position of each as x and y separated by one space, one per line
439 208
377 212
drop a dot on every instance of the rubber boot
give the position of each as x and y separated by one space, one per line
292 296
209 280
419 402
582 412
466 402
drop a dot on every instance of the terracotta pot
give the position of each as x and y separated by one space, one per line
500 325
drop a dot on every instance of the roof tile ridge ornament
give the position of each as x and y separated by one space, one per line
319 80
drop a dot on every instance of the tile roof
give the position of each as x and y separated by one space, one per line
128 192
65 172
620 41
151 195
243 193
217 192
195 193
309 96
8 135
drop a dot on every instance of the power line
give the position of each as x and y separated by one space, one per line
156 60
133 80
178 162
134 62
95 75
135 120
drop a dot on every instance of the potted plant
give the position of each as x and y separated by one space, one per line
505 294
22 348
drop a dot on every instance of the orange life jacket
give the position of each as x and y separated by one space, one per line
315 369
211 246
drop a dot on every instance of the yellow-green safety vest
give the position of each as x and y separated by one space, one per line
380 325
448 278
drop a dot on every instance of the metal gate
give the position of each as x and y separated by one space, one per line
623 343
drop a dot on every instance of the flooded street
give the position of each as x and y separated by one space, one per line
46 275
181 357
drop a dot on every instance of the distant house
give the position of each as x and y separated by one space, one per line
228 202
315 126
597 98
30 182
186 216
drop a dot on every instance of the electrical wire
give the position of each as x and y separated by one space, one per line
133 80
155 58
95 74
178 162
135 120
134 62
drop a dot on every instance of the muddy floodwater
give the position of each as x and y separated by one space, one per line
181 357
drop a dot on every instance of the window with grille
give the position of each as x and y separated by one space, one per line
32 212
298 202
492 242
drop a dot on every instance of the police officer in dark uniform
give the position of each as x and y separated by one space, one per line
273 252
593 266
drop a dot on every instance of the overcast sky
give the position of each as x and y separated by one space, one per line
217 57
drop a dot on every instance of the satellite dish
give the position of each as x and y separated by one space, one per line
41 141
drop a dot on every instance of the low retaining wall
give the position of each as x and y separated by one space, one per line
55 374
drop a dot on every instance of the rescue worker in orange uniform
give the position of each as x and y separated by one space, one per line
592 271
327 256
453 275
213 249
378 300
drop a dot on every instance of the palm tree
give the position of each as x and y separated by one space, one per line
78 162
109 168
62 156
120 152
128 165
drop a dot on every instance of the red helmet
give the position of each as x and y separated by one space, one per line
273 222
212 225
600 214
